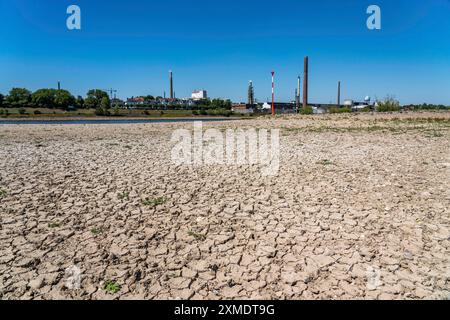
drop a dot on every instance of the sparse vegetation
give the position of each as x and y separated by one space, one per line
53 225
154 202
3 193
124 196
197 236
325 162
307 110
96 231
340 110
388 105
434 134
111 287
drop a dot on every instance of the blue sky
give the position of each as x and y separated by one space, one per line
221 45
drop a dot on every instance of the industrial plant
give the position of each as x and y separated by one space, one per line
300 103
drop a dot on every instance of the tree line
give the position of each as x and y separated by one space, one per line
54 99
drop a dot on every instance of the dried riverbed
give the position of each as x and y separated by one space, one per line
359 210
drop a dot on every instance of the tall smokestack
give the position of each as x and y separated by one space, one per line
171 84
339 94
297 94
305 83
59 85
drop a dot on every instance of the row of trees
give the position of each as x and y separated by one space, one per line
54 99
214 104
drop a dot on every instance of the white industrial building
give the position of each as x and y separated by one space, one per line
199 94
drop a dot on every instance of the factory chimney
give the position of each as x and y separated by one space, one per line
171 84
59 85
297 94
339 94
305 83
251 94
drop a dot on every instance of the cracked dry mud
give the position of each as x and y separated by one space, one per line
359 210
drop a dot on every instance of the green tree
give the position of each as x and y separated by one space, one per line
2 97
105 103
79 103
19 97
102 109
64 99
94 98
43 98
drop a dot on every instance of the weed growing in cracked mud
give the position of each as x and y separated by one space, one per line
197 236
3 193
153 202
124 196
53 225
96 231
111 287
325 162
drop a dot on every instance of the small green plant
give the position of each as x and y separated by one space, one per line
124 196
434 134
111 287
3 193
325 162
197 236
53 225
154 202
22 111
96 231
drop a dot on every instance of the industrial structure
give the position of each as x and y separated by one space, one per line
300 101
251 95
199 95
339 94
273 93
305 82
171 84
297 94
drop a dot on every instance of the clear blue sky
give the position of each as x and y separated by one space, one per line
220 45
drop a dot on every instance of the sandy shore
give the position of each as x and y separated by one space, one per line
359 210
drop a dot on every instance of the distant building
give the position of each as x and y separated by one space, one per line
117 103
280 107
135 101
199 95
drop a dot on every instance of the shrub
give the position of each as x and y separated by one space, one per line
22 111
37 112
116 112
388 105
340 110
195 112
102 112
307 110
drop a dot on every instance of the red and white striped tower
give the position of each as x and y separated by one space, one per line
273 93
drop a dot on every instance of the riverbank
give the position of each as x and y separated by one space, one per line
107 120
